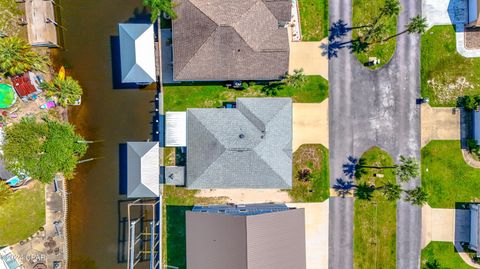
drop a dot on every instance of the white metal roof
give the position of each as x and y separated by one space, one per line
476 126
143 169
137 52
176 129
474 227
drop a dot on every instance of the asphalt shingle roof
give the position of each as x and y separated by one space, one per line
246 147
230 39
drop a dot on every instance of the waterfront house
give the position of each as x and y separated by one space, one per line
220 40
249 146
246 236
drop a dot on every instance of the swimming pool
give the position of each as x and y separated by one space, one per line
7 96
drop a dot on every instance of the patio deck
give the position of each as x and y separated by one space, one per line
42 29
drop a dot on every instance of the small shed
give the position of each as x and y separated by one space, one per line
137 53
176 129
143 169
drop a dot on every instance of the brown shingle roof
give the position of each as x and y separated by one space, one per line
266 241
230 40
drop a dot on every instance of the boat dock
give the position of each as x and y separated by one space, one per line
41 24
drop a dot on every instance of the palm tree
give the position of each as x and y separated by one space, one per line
364 191
159 6
391 8
297 79
67 90
17 57
417 25
304 174
407 169
391 191
417 196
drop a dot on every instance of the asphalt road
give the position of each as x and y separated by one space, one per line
374 108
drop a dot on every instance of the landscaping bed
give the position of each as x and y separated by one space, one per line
313 19
22 214
310 174
447 177
364 12
445 74
207 95
375 219
444 255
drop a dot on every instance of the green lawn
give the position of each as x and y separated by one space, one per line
22 214
198 95
445 74
448 179
375 220
313 19
316 189
363 13
445 255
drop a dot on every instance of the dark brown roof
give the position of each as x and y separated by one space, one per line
267 241
230 39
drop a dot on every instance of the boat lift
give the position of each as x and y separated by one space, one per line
145 233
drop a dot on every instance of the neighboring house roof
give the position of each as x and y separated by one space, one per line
240 210
137 52
476 126
249 146
474 12
143 169
230 39
264 241
474 228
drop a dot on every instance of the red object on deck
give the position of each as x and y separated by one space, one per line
23 85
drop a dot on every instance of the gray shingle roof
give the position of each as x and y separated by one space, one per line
230 39
246 147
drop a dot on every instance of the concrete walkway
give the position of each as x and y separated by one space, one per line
307 55
316 233
465 256
439 123
310 124
469 159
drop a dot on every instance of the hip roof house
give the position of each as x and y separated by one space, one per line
249 146
217 40
220 240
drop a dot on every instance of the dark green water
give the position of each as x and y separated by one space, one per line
115 116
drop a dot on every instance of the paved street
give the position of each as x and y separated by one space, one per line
374 108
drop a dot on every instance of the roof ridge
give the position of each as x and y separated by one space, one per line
195 6
218 157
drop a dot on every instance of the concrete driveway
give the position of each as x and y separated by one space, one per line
310 124
307 55
439 123
438 224
316 233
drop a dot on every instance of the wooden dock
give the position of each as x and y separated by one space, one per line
42 27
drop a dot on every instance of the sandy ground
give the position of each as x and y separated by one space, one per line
439 123
316 233
310 124
308 55
247 196
438 224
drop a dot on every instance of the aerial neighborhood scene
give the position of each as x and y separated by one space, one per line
239 134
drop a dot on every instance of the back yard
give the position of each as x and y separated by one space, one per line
443 255
203 95
445 74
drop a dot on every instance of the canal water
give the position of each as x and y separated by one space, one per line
112 115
